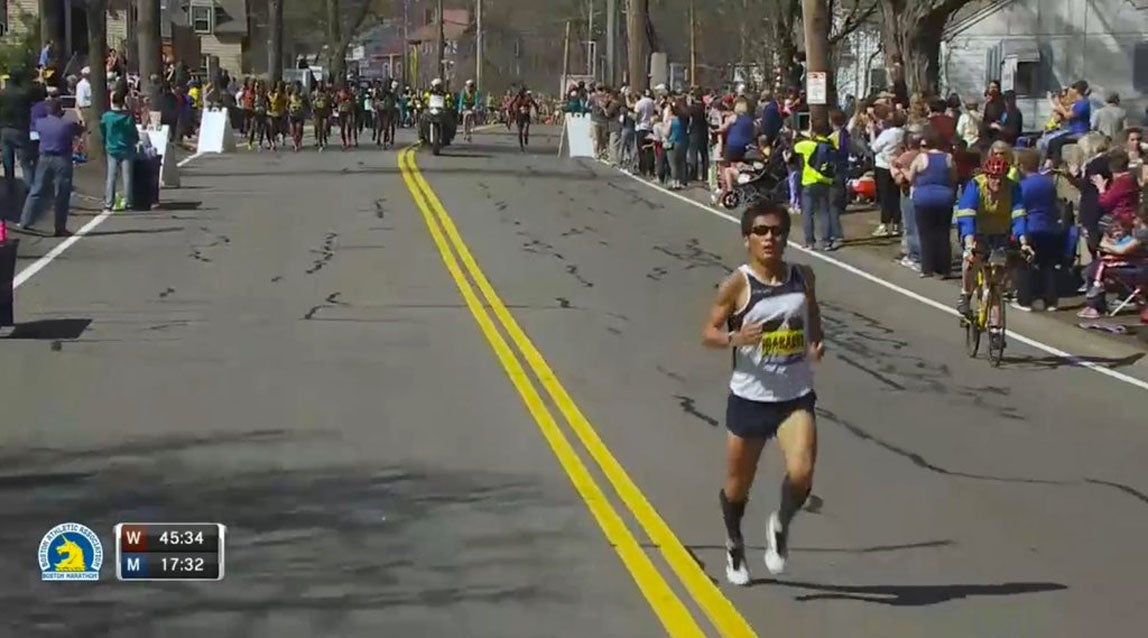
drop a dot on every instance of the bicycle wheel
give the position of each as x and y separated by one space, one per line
972 336
997 333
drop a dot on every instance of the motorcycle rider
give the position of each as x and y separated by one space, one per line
468 104
448 120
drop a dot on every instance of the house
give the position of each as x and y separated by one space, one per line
223 29
1037 46
859 66
456 27
71 21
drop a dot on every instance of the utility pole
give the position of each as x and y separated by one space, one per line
566 56
590 48
815 15
440 44
693 45
478 45
636 15
611 42
407 44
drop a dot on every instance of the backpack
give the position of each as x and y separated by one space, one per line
824 160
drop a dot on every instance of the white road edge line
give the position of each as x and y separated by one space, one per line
1075 360
39 264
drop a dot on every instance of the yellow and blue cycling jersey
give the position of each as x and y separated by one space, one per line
977 215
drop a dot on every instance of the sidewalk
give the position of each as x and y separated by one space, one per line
880 256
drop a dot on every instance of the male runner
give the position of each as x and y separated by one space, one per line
767 312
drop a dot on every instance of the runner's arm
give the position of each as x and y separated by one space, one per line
816 329
714 334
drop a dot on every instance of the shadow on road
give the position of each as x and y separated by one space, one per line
136 231
875 549
317 544
1053 363
910 595
50 329
468 170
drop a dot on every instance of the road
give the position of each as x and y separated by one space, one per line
285 349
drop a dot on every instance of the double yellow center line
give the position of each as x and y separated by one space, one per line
667 605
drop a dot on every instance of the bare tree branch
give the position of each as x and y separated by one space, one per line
860 13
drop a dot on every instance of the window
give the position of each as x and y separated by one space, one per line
1026 82
202 18
1140 67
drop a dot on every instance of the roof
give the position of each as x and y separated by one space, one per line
456 24
973 13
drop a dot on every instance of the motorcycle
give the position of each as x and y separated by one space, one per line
436 107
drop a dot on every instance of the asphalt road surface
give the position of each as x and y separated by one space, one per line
401 446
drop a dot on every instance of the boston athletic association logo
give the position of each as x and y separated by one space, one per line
70 551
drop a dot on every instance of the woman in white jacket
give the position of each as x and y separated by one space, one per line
886 147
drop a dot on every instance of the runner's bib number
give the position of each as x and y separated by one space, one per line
437 102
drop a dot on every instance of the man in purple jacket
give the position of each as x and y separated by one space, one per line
54 168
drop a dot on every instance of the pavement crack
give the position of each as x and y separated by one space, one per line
330 301
563 302
919 460
657 274
572 270
864 343
326 253
379 212
694 256
277 278
689 406
166 293
671 374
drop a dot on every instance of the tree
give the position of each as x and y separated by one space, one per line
341 26
637 17
150 45
275 41
912 41
97 46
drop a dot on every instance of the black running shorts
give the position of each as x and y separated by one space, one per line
760 419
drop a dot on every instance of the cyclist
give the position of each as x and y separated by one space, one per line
990 212
468 104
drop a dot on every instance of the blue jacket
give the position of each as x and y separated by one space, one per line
975 217
1042 210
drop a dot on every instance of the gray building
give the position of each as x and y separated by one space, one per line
1037 46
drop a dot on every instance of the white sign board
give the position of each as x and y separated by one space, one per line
817 87
579 136
159 138
215 134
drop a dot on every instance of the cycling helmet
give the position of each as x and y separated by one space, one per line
995 166
436 82
470 82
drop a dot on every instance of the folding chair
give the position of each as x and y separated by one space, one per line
1128 276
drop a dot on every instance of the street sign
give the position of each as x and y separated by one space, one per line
817 88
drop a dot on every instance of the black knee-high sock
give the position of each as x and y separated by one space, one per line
731 513
792 498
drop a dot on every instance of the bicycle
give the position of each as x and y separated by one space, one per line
988 314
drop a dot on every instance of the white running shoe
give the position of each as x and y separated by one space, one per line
776 551
736 571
